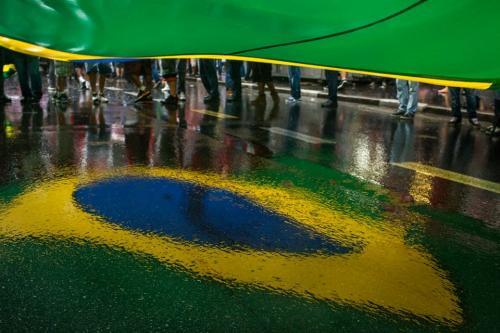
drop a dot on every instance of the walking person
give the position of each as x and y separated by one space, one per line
95 69
3 98
262 74
456 106
133 71
407 93
62 72
181 83
233 80
169 74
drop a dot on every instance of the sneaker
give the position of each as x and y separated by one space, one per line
291 99
166 87
103 99
474 122
62 98
342 84
182 96
408 116
170 100
142 95
95 98
329 104
398 113
454 121
83 85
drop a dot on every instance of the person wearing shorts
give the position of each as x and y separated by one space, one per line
81 75
62 70
169 74
133 71
103 69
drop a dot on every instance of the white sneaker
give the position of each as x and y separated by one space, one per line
165 87
182 96
103 99
290 99
95 98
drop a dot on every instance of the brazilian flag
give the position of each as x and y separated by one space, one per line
443 42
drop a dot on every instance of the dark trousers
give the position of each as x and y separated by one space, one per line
2 62
209 78
456 105
28 72
233 76
332 79
181 72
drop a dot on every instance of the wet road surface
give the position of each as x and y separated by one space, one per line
250 216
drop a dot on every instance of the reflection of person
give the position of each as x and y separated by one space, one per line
407 93
3 98
456 106
332 81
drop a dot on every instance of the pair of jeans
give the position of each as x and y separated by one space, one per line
28 71
181 72
233 76
456 104
209 78
294 76
407 93
332 79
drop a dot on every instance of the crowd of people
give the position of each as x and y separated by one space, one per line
145 74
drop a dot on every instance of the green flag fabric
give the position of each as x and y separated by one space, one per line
439 41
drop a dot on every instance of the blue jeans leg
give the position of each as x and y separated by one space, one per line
294 76
402 94
413 97
470 97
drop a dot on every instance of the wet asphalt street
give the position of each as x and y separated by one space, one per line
256 215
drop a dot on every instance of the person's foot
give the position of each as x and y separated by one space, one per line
95 98
455 121
398 113
210 98
62 98
170 100
182 96
291 99
408 116
103 99
474 122
143 95
83 85
329 104
4 99
342 84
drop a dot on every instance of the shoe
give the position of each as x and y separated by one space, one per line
474 122
166 87
210 98
329 104
291 99
83 85
95 98
455 121
62 98
170 100
103 99
143 95
182 96
4 99
342 84
407 116
398 113
493 131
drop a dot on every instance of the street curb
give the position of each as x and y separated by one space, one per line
392 103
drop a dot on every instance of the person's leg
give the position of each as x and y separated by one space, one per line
402 95
52 75
132 73
3 97
229 78
209 77
181 73
294 77
20 61
332 81
235 73
35 77
456 106
470 96
412 98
